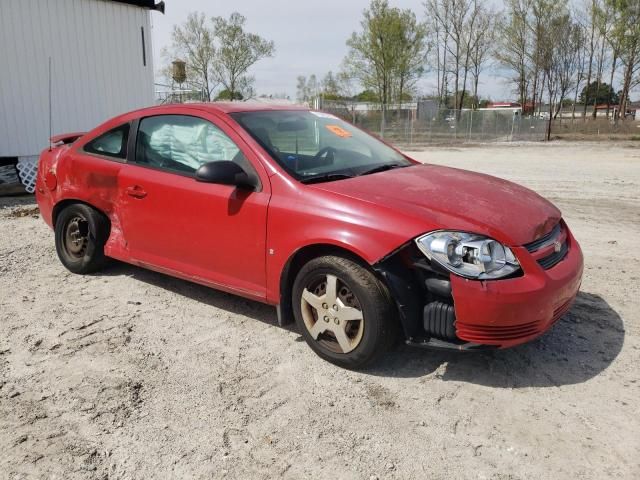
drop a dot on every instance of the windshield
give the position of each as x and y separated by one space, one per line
315 146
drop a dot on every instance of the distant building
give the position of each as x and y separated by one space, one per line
101 65
513 106
603 110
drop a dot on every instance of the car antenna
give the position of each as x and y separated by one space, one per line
50 109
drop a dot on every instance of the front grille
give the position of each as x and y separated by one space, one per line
556 236
547 239
552 260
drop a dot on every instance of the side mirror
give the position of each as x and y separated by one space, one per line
224 172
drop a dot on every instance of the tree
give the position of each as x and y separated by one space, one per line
376 56
567 40
614 43
460 22
193 43
226 95
368 96
307 89
481 48
331 87
540 23
237 52
514 45
626 32
592 27
439 29
602 94
412 48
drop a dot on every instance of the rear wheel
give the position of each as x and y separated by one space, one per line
81 233
343 311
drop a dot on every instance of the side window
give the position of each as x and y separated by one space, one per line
182 143
112 144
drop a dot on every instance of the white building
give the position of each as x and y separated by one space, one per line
101 65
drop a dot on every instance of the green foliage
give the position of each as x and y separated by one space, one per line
227 95
218 53
626 34
238 50
604 95
388 55
367 96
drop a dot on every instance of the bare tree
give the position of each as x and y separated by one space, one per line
626 31
580 67
592 12
469 36
307 89
567 37
460 30
602 20
540 18
482 47
614 42
437 12
514 44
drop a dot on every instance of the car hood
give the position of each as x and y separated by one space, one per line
450 198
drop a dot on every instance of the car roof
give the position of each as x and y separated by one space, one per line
224 107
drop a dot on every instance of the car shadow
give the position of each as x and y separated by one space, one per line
209 296
580 346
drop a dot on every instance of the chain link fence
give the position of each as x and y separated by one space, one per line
415 124
595 129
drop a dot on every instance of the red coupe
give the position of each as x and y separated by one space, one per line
343 233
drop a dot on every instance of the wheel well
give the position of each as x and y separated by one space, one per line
60 206
293 266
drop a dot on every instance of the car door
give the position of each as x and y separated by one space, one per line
209 233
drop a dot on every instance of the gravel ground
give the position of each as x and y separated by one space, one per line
132 374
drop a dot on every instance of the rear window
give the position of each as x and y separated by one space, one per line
112 144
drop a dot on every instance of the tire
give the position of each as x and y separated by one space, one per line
81 233
358 293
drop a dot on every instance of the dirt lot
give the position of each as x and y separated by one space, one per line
131 374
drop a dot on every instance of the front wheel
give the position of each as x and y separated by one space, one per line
343 311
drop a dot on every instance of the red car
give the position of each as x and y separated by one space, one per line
295 208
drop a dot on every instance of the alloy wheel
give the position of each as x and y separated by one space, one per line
332 314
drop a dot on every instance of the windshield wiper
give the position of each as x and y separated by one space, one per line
329 177
382 168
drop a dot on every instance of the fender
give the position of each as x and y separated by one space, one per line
320 218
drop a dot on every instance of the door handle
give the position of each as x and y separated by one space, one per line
136 192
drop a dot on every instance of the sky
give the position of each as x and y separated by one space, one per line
309 36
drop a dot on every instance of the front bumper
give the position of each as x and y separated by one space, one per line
505 313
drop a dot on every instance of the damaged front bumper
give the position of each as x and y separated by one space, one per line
444 311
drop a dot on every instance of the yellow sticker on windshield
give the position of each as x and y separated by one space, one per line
339 131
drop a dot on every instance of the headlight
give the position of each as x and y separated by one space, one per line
469 255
